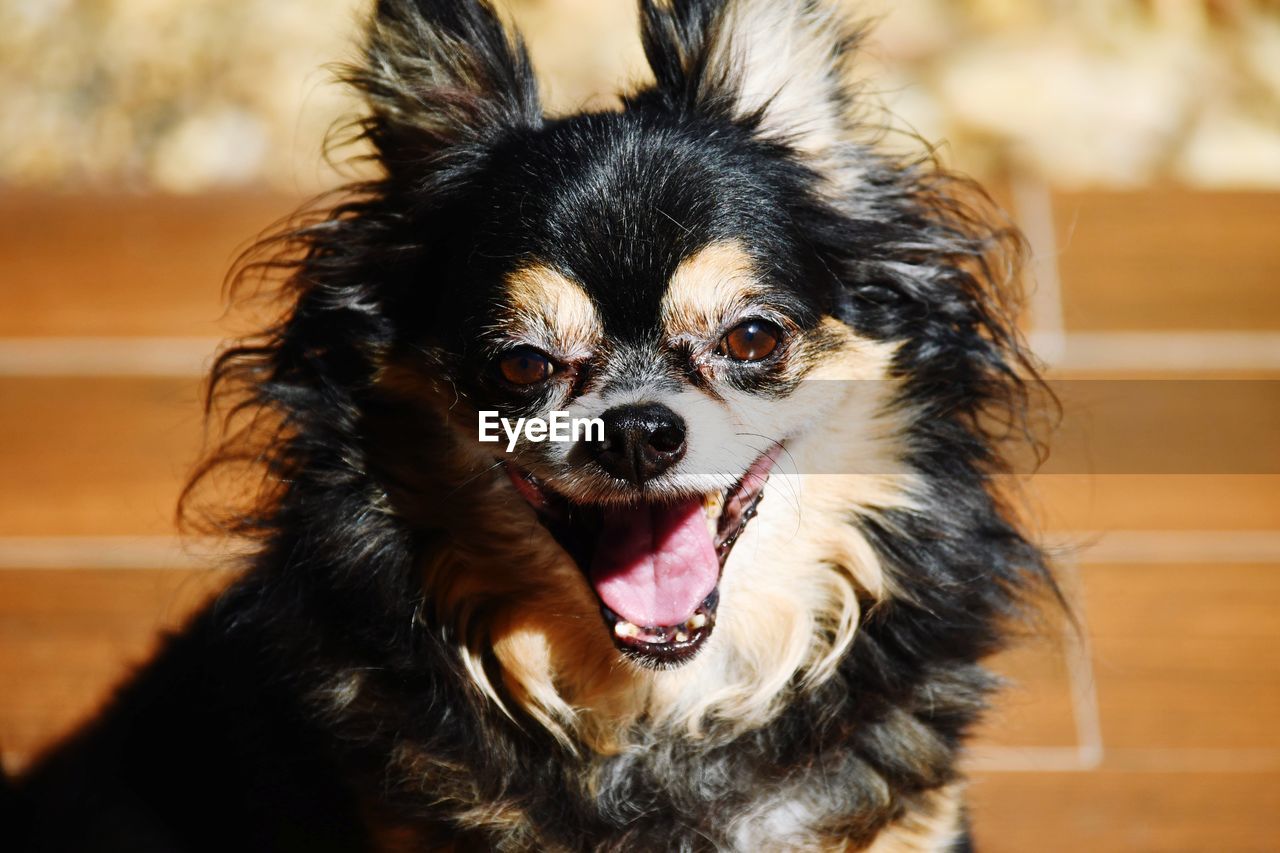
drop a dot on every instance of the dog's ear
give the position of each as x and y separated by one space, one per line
439 75
782 64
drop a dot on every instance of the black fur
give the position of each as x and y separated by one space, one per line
221 744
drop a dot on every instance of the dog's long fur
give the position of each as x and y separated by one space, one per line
410 661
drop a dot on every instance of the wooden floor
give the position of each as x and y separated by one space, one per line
1156 728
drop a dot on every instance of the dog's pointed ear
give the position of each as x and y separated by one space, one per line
782 64
439 74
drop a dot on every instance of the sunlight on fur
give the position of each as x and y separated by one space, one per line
550 310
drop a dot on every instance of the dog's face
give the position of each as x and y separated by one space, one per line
643 273
711 271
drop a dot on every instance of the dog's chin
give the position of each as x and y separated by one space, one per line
654 563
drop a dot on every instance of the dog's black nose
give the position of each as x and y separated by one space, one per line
640 441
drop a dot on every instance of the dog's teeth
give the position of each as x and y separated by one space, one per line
713 505
660 636
626 630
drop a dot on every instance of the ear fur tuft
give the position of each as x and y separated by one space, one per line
440 73
780 64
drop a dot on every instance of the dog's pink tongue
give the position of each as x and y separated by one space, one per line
654 564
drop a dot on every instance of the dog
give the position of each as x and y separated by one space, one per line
745 608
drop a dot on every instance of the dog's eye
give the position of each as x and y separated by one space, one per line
525 366
750 340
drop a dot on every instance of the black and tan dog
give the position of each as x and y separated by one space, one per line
616 643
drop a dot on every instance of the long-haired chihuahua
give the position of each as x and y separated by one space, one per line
744 607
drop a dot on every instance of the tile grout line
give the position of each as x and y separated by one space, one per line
1171 350
1166 546
1085 709
1040 759
1143 547
104 356
1065 759
1033 205
1024 759
53 553
1182 351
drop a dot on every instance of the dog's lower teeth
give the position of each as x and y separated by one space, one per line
713 506
658 636
661 636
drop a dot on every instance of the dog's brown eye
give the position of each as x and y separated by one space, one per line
525 366
751 340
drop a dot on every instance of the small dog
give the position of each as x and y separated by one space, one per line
618 642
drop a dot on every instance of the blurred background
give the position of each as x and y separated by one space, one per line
1137 142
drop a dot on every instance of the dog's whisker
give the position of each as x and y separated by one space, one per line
472 479
794 498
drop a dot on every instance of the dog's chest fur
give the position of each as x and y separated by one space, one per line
742 796
841 767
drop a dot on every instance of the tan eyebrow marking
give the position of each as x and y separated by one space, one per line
707 286
551 309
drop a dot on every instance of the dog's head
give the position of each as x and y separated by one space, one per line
652 270
719 282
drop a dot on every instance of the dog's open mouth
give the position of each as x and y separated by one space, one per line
654 565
